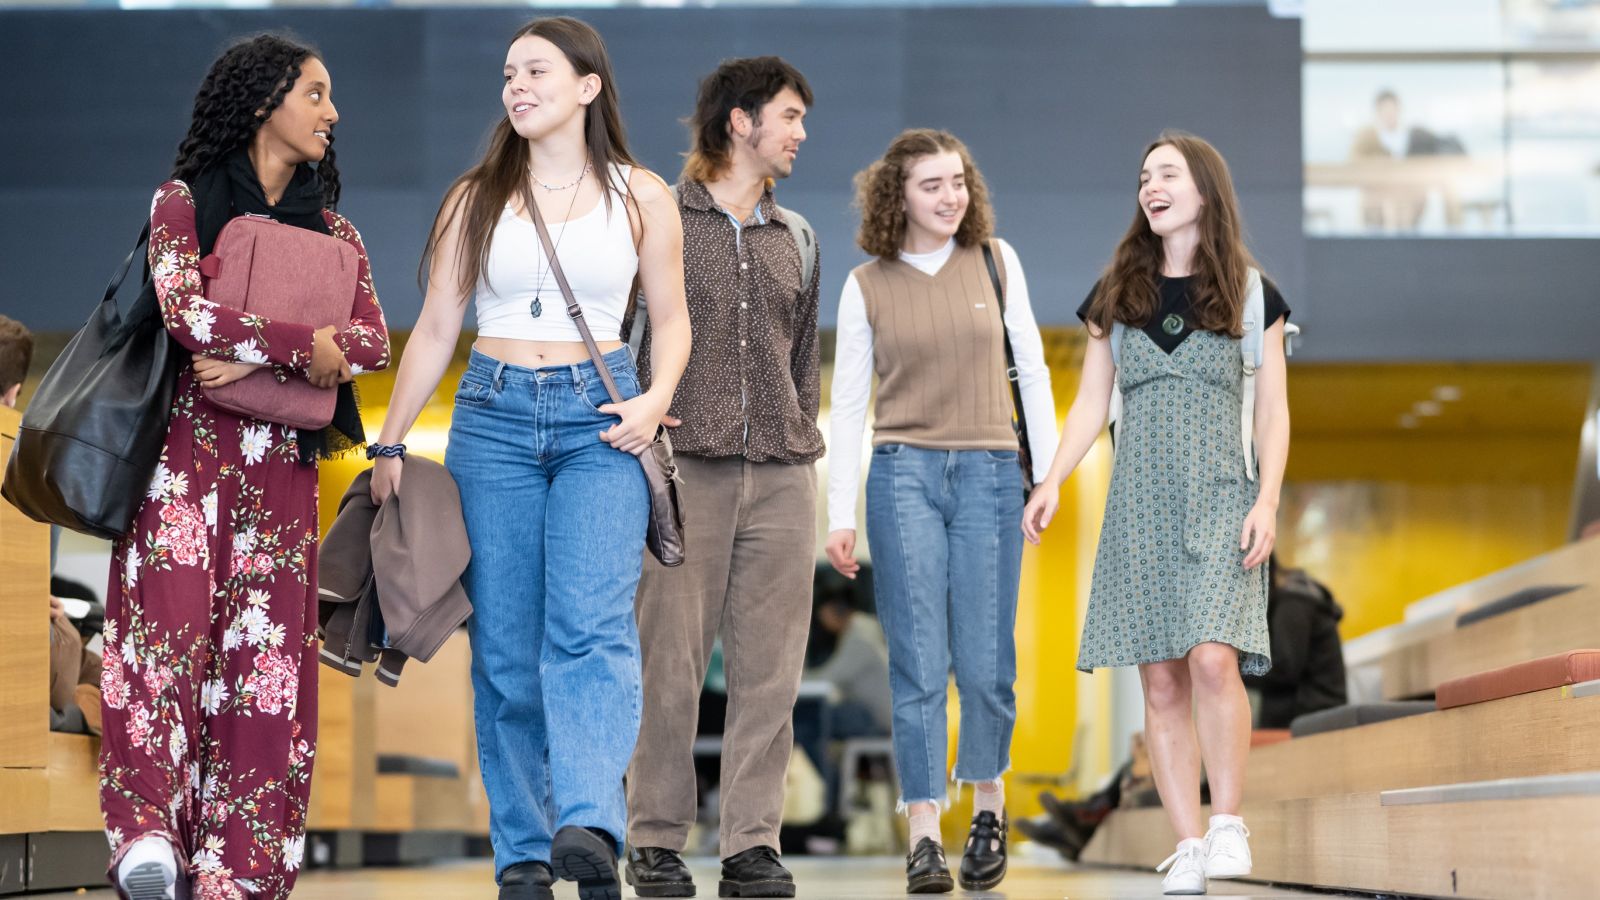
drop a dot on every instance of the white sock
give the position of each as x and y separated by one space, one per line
145 850
990 796
1218 821
923 825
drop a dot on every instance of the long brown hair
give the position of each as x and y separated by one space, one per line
880 193
481 193
1128 291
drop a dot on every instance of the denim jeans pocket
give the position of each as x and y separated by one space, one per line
472 392
592 391
888 449
1009 456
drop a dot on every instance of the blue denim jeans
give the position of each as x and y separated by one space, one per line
556 518
946 538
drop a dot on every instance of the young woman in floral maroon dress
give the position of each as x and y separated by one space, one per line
210 677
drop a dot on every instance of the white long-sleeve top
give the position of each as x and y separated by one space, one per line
852 380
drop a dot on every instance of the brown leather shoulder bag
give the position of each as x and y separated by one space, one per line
664 536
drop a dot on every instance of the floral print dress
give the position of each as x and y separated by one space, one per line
210 675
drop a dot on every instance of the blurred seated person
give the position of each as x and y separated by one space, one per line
1307 675
857 669
1400 206
16 352
848 653
76 616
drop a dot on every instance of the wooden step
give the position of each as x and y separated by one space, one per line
1568 622
345 775
74 775
423 803
1541 733
1539 848
25 806
24 631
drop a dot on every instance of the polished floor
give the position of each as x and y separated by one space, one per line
877 878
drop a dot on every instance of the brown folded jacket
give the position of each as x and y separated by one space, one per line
389 578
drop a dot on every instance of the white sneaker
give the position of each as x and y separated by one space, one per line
148 870
1227 851
1188 875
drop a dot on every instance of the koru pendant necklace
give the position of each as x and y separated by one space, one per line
536 308
1172 324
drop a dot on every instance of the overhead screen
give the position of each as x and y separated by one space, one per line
1487 127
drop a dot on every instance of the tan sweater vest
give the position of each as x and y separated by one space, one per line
938 352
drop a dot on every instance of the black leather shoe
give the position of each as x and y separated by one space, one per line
658 872
587 856
926 872
755 873
983 863
527 881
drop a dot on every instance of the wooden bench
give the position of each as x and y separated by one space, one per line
1441 652
51 833
1541 733
24 660
1524 848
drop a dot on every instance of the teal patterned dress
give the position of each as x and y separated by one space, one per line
1169 572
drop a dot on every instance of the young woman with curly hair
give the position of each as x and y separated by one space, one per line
552 491
944 494
1179 587
209 685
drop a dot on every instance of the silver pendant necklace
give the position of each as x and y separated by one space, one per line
536 308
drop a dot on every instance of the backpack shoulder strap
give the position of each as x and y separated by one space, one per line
1253 346
805 240
1117 328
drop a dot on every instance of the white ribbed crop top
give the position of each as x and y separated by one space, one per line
597 254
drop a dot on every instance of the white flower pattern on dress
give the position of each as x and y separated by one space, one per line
229 512
254 443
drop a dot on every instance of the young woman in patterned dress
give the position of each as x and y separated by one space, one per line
210 676
1179 583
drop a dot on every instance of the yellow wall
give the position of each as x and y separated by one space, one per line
1381 546
1387 514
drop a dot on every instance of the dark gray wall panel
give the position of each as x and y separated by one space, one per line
1384 299
1056 103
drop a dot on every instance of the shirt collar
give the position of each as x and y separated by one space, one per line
694 195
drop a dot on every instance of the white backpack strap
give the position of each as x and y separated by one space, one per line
1252 347
640 318
805 240
1114 412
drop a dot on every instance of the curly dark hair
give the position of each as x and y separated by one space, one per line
252 75
880 193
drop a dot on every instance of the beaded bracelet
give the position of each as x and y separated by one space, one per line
390 450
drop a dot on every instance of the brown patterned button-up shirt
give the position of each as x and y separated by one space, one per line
753 383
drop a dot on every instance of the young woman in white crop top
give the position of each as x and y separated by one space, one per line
554 498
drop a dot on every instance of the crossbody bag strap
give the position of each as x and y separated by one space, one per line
573 309
1012 375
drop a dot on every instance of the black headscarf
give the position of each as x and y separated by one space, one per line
232 188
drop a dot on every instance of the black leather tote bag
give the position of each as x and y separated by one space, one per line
91 436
